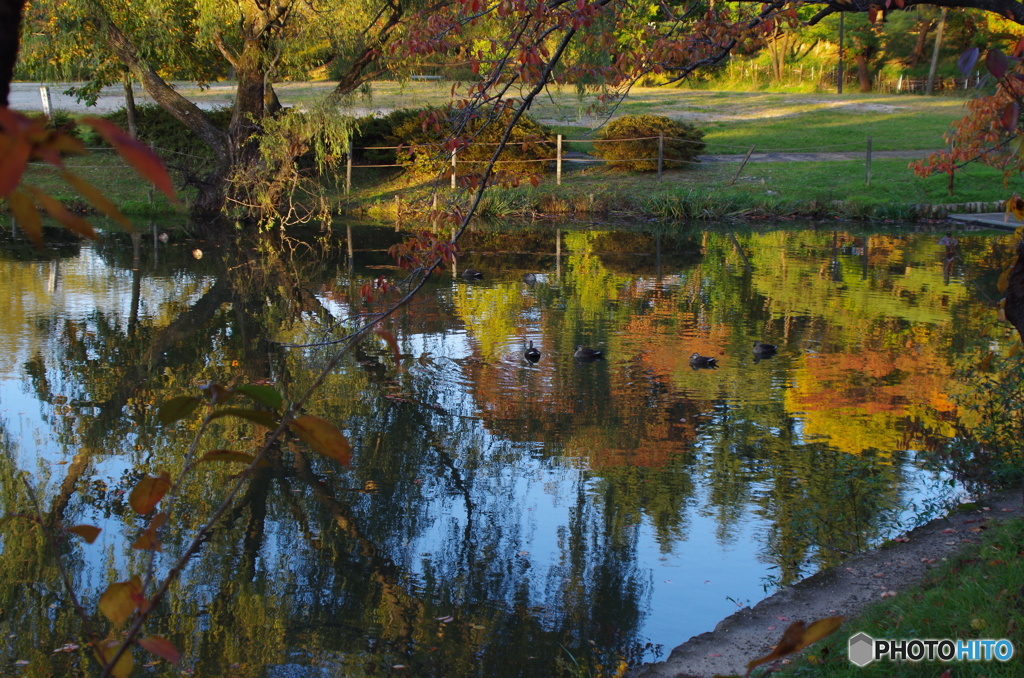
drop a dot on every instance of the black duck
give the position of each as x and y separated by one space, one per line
583 353
698 360
532 354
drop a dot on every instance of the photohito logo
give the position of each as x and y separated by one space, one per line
863 649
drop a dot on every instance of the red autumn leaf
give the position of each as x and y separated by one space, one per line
14 157
996 63
135 153
161 647
148 493
96 198
73 223
1011 114
323 437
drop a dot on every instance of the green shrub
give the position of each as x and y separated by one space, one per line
158 127
631 143
529 150
371 131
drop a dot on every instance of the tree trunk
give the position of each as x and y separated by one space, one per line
129 106
917 53
863 58
10 32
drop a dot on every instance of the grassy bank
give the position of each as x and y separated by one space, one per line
978 594
821 190
733 122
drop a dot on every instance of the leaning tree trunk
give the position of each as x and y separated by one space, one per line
210 199
10 31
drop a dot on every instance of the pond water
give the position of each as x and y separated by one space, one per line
500 517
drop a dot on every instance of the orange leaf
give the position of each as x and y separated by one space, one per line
148 539
106 649
1015 207
390 338
148 493
86 532
797 636
135 153
117 603
73 223
96 198
27 215
161 647
323 437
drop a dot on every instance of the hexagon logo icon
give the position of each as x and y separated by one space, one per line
862 649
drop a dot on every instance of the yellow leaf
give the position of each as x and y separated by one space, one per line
1015 208
96 198
123 668
119 601
797 636
148 493
86 532
29 221
323 437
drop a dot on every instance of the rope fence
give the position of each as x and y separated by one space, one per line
560 156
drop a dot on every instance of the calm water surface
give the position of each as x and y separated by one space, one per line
500 518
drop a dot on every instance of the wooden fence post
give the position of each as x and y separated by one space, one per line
348 172
558 161
742 165
661 152
867 176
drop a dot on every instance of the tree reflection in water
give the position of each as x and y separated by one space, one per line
501 518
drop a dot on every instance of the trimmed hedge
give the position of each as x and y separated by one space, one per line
631 143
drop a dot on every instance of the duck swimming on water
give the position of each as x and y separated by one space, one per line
583 353
698 360
532 354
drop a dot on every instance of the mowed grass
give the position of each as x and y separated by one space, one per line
978 594
733 121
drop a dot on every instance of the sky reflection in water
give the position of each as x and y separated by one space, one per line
608 509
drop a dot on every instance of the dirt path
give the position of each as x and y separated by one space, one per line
844 590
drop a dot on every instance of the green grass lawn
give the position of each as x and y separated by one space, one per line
733 122
979 594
